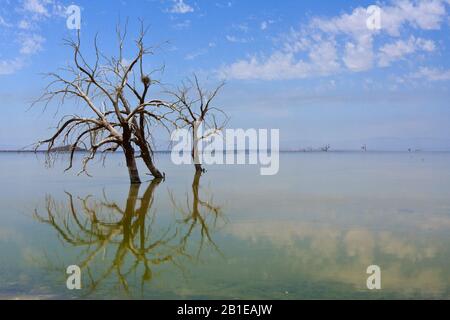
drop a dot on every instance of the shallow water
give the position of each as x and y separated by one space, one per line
309 232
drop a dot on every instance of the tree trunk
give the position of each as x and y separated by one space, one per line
145 150
199 169
195 151
129 156
145 153
195 159
131 164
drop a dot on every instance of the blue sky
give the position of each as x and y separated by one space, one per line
313 69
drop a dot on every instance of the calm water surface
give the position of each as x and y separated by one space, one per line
309 232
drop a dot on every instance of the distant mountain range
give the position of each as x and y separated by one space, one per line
67 149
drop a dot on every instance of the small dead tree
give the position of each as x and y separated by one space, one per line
118 113
194 106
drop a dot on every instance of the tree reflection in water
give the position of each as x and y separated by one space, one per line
137 242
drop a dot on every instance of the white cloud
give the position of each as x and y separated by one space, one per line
431 74
226 5
31 44
401 48
182 25
3 23
421 14
322 60
323 57
241 27
200 52
424 14
265 24
30 13
359 55
10 66
351 42
181 7
36 7
351 24
236 39
24 24
59 9
278 66
196 54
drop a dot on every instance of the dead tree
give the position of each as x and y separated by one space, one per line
194 109
117 110
326 148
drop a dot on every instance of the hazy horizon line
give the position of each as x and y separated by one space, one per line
248 151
